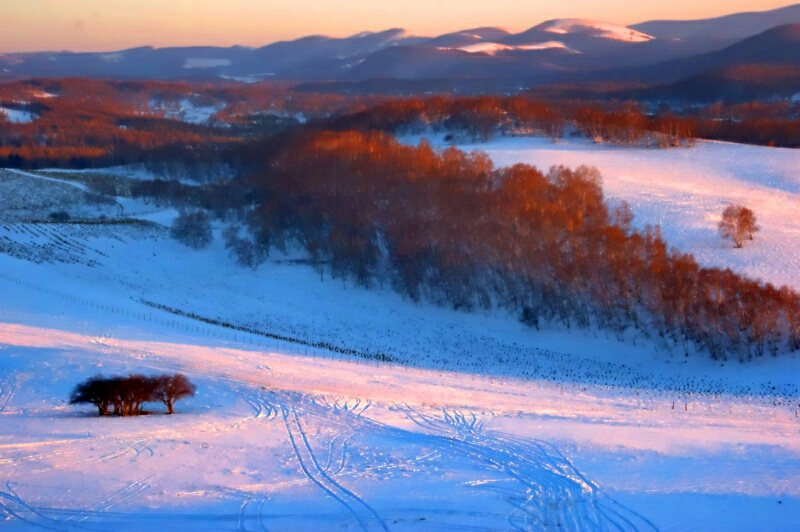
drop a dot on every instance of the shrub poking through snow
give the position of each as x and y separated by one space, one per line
128 394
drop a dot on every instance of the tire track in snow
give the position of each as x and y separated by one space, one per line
258 517
77 453
553 494
264 407
362 512
526 460
348 405
7 388
15 507
550 491
131 489
341 453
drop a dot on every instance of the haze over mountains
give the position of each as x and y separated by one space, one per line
556 51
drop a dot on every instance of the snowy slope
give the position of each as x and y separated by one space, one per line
592 28
493 47
476 422
16 116
684 191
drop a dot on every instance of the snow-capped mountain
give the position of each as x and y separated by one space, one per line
593 29
490 58
720 30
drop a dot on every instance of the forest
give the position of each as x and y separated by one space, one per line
448 227
438 225
79 123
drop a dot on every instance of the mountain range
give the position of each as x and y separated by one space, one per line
553 52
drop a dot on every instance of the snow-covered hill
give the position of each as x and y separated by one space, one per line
684 191
470 420
592 28
493 47
620 53
16 116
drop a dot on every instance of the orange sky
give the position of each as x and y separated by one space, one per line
106 25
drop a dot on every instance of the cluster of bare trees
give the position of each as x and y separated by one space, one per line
630 122
448 227
127 395
94 123
484 116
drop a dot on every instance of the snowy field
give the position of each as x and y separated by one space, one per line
476 423
16 116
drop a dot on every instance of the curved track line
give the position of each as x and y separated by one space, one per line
312 477
6 392
321 478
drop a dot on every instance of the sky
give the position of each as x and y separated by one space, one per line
108 25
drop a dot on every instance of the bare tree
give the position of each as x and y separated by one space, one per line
738 223
95 390
170 388
192 228
247 252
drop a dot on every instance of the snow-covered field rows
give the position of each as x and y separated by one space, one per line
477 423
22 199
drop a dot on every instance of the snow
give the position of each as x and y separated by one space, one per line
194 62
193 114
255 78
187 110
17 117
477 422
42 95
684 190
485 48
492 47
115 57
594 28
403 34
543 46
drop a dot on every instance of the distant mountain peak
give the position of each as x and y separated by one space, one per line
392 34
592 28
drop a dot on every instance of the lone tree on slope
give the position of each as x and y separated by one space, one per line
192 228
737 223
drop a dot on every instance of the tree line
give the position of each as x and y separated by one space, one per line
127 395
83 123
630 122
623 123
446 226
89 123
